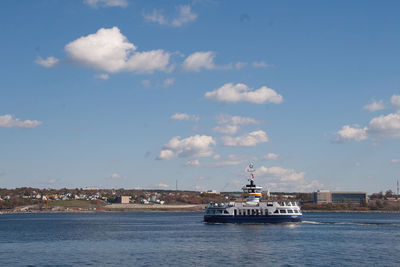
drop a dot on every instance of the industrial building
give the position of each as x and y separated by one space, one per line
125 199
326 196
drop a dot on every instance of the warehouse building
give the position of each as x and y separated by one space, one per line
326 196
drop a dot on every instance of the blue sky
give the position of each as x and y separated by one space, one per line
139 94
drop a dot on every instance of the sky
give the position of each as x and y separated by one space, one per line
154 94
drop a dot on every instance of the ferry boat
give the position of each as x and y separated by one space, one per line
252 210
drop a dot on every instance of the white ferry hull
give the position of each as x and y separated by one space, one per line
252 218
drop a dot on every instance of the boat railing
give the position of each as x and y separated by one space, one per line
216 205
288 204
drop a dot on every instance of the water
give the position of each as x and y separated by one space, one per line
181 239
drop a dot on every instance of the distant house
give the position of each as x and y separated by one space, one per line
144 201
125 199
211 192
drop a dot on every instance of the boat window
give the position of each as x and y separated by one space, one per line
270 204
235 212
296 211
290 211
261 212
276 211
218 212
226 212
282 211
248 212
266 212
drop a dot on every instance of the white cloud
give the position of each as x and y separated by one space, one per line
166 154
375 105
168 82
395 101
47 62
198 61
281 173
230 92
193 146
250 139
108 50
227 129
271 156
156 16
162 185
184 16
106 3
102 76
193 163
240 65
231 124
386 126
148 61
205 60
235 120
395 161
8 121
260 64
217 156
281 179
115 176
184 117
348 133
299 186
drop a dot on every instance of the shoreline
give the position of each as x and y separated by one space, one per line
351 211
139 208
109 208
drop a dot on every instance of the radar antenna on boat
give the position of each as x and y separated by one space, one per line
251 169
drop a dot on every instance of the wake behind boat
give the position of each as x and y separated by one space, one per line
252 210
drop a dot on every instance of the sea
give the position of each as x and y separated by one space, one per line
182 239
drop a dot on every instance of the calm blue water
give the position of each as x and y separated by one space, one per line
181 239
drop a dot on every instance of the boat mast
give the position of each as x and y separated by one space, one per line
252 193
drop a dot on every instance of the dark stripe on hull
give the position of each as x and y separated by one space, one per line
251 219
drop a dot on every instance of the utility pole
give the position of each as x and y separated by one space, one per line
176 185
397 194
